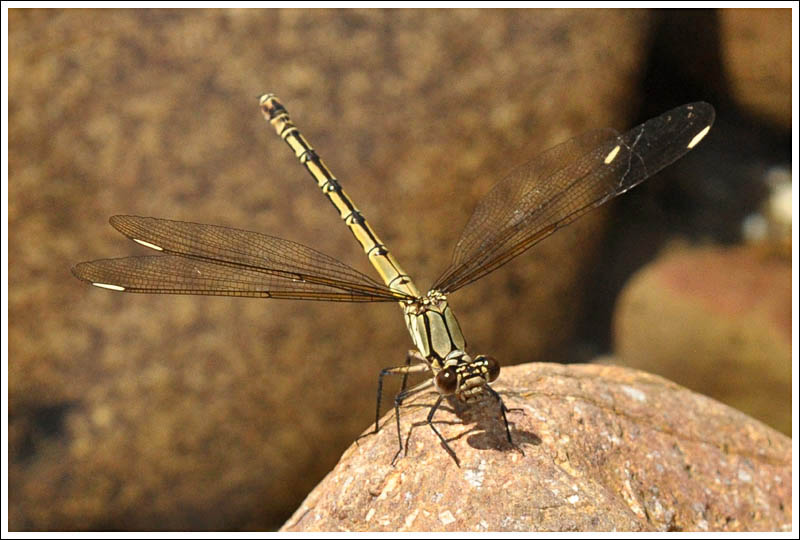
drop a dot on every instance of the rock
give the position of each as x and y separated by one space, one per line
717 320
605 448
170 413
756 49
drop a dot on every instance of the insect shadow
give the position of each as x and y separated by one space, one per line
485 433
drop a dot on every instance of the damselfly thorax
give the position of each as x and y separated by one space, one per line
437 336
533 201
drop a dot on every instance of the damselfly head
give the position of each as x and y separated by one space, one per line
465 376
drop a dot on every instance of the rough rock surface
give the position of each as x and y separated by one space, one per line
605 448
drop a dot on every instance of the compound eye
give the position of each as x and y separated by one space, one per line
492 367
446 381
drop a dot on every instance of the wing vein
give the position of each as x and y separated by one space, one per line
562 184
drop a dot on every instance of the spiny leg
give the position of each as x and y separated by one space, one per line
398 400
503 410
399 370
400 397
441 438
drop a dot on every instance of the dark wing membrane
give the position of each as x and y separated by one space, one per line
563 183
238 261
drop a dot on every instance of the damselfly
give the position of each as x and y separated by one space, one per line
529 204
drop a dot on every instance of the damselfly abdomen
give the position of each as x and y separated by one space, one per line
529 204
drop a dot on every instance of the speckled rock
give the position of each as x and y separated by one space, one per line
605 448
718 321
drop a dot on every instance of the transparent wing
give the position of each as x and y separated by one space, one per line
563 183
171 274
213 260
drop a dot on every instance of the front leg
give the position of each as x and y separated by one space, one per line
429 421
504 409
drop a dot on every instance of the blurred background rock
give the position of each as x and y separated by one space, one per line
157 412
